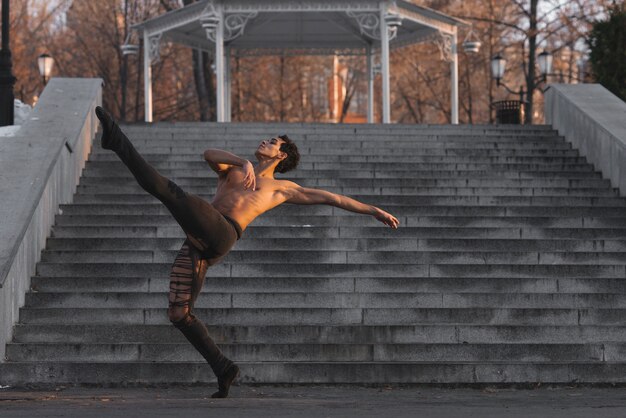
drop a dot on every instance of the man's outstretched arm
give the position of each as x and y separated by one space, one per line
306 196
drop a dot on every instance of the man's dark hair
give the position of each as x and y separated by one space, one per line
293 156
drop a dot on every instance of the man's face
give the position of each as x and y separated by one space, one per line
269 148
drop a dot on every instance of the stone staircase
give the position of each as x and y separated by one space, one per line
508 265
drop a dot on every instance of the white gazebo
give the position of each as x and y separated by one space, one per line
342 27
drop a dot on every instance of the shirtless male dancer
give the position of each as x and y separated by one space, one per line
244 191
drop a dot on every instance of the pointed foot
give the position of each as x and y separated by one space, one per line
225 381
109 129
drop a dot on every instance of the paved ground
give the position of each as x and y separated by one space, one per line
314 401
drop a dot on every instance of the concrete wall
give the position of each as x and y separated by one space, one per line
594 121
40 169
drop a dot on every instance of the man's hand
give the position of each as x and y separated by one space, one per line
249 179
386 218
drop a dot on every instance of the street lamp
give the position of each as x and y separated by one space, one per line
507 111
45 62
498 64
581 64
544 61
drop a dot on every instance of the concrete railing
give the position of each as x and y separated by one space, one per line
594 121
40 169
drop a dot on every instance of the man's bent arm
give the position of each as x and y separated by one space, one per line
219 156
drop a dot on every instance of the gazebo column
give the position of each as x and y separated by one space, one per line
384 59
147 77
454 78
370 85
227 85
219 69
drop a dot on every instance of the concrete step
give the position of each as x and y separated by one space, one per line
270 127
116 216
409 166
388 302
101 158
364 147
371 174
418 148
124 187
161 270
538 183
317 352
427 154
223 284
491 200
593 214
309 154
341 244
337 332
307 231
337 136
316 140
128 373
343 139
349 257
560 327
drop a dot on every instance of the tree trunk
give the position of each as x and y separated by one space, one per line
124 69
200 83
532 49
209 83
282 88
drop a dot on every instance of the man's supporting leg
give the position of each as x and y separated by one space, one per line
186 280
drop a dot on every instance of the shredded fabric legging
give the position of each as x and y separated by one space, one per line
210 236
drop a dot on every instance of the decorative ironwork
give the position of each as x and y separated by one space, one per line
302 6
235 24
369 24
296 51
444 43
154 46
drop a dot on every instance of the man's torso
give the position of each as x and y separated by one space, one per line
244 205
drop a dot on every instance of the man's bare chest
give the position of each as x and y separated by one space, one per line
265 190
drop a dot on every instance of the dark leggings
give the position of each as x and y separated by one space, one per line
210 236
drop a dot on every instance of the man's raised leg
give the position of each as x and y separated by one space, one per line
147 176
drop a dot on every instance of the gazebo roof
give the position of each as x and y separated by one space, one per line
310 26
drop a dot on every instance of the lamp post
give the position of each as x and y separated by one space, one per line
544 61
498 66
7 80
45 62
